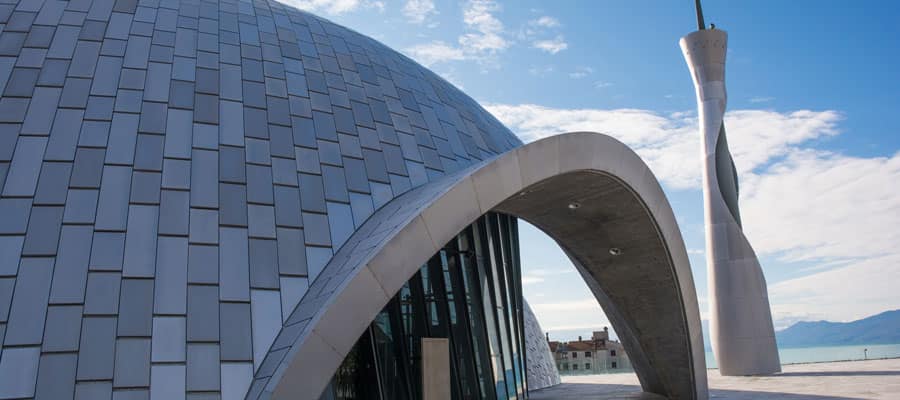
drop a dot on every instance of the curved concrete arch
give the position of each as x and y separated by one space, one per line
647 291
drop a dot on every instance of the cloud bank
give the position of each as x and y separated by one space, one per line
335 7
831 217
482 39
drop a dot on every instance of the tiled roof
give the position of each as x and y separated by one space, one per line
175 174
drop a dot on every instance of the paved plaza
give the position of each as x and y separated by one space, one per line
873 379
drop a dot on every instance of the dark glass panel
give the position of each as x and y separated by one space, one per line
415 328
470 292
499 290
463 354
356 378
484 267
516 269
512 296
388 343
436 299
475 311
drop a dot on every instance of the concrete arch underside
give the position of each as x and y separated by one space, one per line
647 291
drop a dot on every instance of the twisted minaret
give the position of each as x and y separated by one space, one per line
743 337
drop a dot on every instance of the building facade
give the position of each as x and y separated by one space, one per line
598 355
224 199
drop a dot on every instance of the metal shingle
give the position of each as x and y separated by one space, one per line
97 349
29 303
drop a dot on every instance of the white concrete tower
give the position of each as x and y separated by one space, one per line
741 330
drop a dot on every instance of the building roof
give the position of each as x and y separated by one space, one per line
584 345
198 139
581 345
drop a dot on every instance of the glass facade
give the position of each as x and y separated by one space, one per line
470 293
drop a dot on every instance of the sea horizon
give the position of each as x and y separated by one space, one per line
833 353
807 355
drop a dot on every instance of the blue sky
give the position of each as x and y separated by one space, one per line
814 95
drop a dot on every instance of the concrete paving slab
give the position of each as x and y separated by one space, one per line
872 379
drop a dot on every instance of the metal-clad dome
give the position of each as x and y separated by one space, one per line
174 174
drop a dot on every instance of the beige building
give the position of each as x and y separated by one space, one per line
598 355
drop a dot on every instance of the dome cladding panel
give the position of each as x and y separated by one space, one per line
175 173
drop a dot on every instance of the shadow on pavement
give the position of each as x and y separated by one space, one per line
594 391
748 394
842 373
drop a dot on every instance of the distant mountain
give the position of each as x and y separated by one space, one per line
882 328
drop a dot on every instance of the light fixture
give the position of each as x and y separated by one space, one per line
615 251
574 205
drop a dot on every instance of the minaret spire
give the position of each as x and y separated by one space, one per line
701 25
741 329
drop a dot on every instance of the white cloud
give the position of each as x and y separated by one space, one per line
486 31
451 76
820 206
541 71
859 290
670 142
419 11
551 46
553 276
435 52
586 304
334 6
663 140
602 84
592 324
568 319
837 213
536 27
545 21
703 304
581 72
801 205
484 35
757 136
483 38
761 99
531 279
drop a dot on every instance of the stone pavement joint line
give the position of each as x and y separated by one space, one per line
872 379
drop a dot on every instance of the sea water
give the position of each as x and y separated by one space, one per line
797 355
